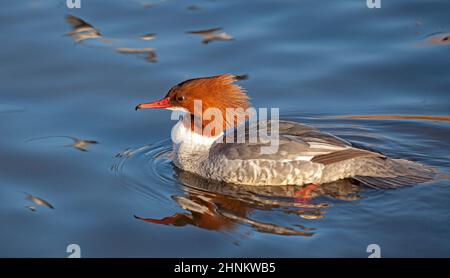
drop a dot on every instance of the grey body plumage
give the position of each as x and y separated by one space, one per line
305 155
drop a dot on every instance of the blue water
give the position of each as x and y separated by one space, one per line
315 60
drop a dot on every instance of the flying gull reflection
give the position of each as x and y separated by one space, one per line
210 35
437 38
38 201
149 53
79 144
31 208
148 37
82 30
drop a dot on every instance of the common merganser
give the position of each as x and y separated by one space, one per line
304 155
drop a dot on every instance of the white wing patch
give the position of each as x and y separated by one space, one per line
325 146
299 158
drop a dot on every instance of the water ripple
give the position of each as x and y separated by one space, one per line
148 170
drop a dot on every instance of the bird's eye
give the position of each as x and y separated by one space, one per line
180 98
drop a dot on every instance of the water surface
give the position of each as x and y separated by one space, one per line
315 60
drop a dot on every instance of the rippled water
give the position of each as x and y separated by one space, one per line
70 135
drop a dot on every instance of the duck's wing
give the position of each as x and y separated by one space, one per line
295 142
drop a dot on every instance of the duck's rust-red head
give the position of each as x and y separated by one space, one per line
217 92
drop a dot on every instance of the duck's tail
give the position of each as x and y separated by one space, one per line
394 173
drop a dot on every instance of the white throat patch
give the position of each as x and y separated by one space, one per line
184 135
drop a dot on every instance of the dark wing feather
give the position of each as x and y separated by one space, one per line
338 156
405 173
392 183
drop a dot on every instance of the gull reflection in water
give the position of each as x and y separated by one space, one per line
148 37
83 31
79 144
148 53
222 207
37 202
210 35
435 39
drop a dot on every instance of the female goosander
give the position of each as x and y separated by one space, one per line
304 155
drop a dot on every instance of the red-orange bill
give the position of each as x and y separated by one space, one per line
164 103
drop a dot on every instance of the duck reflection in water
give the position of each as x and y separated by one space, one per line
222 207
